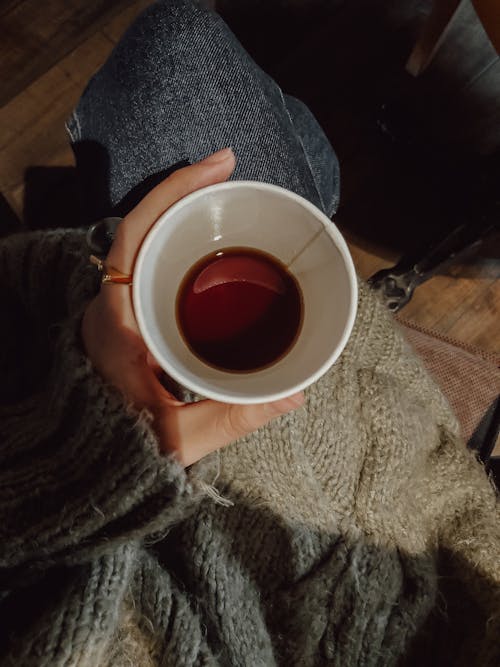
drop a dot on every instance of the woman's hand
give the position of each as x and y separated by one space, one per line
116 349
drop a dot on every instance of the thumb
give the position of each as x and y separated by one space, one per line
193 431
134 227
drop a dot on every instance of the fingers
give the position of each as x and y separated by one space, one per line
119 354
189 431
214 169
193 431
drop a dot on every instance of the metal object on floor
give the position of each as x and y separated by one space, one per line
100 235
397 284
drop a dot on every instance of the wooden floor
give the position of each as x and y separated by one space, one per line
49 50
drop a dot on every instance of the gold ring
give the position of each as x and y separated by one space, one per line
110 274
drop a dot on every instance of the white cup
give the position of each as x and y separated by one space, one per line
268 218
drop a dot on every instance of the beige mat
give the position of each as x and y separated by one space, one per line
469 378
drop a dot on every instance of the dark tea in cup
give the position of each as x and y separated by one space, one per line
239 309
267 309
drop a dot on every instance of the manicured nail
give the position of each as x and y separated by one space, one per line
220 156
295 401
288 404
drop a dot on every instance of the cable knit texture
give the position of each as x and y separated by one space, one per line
357 531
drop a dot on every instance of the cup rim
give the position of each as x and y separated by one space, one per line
331 229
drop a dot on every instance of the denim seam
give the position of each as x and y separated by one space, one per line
303 150
336 196
74 136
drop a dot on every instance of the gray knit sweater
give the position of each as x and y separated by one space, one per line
358 531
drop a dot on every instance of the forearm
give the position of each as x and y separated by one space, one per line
469 525
78 471
43 279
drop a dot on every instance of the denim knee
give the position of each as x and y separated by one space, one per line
179 86
321 157
171 34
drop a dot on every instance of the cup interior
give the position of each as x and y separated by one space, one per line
265 217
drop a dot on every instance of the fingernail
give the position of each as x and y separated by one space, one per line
220 156
295 401
290 403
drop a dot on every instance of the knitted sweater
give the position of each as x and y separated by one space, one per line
356 531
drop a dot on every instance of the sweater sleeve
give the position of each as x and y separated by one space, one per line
79 472
413 460
468 529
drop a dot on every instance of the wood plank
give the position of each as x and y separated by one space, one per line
459 307
35 35
439 299
468 283
34 120
117 26
7 5
464 304
480 323
38 101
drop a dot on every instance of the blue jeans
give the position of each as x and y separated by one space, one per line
178 87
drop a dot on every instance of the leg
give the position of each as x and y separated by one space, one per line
318 152
178 87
